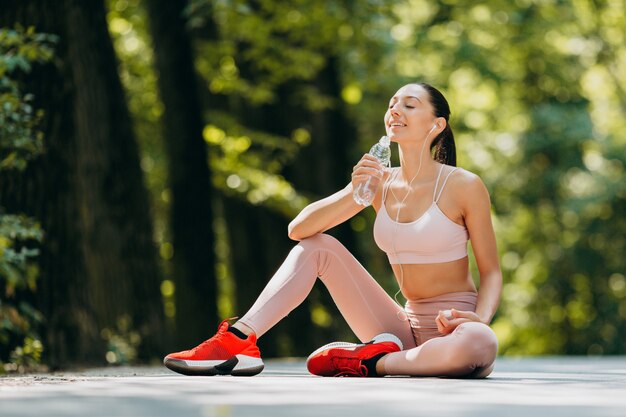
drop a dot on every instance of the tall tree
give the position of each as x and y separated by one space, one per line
191 213
98 263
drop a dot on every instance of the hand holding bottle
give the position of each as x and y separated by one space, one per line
367 174
368 168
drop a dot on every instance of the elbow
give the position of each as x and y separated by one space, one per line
294 236
293 232
296 231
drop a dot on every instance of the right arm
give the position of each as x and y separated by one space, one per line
324 214
335 209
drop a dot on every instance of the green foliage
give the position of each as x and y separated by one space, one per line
122 342
22 47
19 341
251 168
261 45
14 263
20 141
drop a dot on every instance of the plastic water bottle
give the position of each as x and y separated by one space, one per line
364 192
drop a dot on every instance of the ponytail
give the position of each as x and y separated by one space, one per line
443 147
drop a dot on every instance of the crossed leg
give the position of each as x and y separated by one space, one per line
469 351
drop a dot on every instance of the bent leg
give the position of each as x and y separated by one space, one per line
469 351
367 308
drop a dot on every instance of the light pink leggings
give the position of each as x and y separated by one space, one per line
469 351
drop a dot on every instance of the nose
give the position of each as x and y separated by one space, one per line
394 110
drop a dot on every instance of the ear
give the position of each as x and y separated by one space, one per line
440 124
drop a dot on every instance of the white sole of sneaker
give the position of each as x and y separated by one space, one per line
383 337
247 366
238 365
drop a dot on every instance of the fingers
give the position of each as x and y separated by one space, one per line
445 316
368 166
457 313
448 320
368 162
469 315
443 325
367 171
440 327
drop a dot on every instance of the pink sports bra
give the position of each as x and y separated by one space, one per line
432 238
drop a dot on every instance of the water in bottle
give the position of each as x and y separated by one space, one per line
364 192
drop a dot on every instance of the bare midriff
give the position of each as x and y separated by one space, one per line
430 280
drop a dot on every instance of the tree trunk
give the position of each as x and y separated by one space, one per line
98 263
191 213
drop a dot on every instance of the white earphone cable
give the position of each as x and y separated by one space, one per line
395 230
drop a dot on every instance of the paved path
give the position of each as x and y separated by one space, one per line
552 387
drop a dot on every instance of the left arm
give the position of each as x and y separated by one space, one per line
476 208
483 239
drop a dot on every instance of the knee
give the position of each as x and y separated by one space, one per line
319 241
479 343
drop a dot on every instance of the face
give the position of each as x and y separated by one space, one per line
410 115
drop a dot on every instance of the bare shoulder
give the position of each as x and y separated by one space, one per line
468 187
463 177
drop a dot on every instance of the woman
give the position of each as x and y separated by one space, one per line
427 210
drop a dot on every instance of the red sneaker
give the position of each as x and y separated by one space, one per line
223 354
346 359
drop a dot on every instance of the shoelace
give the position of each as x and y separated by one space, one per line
346 367
217 336
214 338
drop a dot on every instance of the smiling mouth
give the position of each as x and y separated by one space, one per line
396 124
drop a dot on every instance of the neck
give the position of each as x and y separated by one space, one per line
411 157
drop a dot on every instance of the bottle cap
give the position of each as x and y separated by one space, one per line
384 141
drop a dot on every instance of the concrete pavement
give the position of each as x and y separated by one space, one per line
558 386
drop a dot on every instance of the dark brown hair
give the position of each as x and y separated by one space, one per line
443 147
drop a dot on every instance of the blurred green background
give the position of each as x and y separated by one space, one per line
153 152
